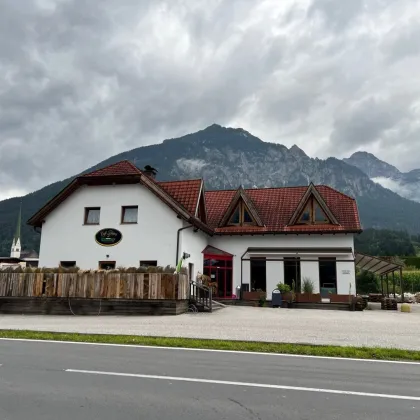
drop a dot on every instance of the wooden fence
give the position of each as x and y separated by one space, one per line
95 285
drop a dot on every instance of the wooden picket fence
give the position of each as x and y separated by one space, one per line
95 285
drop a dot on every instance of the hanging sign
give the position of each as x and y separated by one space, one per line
108 237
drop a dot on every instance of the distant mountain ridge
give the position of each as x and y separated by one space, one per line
406 184
228 158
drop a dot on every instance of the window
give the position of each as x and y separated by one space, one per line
313 214
92 215
241 216
148 263
106 265
129 214
67 264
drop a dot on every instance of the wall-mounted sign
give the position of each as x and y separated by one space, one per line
108 237
345 271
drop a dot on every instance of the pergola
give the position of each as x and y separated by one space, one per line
382 267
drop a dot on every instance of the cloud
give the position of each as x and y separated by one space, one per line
83 80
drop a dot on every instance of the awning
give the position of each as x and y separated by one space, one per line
376 265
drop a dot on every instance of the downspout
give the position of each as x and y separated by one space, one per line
177 242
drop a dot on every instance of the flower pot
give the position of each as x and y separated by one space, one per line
287 297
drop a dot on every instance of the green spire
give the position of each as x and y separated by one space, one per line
19 222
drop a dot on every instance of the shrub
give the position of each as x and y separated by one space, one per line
283 288
412 261
307 285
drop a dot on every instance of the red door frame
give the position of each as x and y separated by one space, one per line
222 294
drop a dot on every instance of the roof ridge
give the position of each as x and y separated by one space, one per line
111 166
180 180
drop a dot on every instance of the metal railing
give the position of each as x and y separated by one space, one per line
201 295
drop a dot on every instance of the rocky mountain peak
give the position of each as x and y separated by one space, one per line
297 152
371 165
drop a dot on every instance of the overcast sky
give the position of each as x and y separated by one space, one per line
82 80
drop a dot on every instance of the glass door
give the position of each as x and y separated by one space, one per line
219 269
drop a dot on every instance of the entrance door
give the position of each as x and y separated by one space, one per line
219 269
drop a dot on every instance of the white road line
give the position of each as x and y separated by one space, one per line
248 384
251 353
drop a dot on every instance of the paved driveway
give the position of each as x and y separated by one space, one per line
367 328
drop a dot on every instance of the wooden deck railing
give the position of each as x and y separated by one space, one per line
112 285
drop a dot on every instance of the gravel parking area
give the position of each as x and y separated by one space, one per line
367 328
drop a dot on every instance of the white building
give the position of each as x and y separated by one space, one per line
121 216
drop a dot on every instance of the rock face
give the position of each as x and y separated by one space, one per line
406 184
228 158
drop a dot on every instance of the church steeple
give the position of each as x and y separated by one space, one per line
16 245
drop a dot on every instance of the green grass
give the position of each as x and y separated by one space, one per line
287 348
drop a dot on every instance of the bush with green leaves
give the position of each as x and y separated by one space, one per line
283 288
307 285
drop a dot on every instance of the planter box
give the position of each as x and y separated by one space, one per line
308 297
287 297
253 295
334 298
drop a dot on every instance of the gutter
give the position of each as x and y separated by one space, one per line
177 241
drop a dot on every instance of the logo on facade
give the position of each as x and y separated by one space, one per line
108 237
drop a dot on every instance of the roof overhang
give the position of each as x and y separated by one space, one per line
37 219
375 265
300 251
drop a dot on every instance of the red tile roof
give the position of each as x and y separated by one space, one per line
185 193
125 167
277 205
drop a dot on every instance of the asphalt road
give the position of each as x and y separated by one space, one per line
41 380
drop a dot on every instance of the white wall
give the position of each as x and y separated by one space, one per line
193 243
65 238
345 276
275 275
237 245
310 269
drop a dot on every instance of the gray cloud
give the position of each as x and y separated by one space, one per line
83 80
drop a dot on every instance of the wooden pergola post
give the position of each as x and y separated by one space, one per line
382 284
387 285
393 283
401 285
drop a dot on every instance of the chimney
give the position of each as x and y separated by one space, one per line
150 171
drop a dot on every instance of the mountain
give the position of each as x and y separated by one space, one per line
406 184
228 158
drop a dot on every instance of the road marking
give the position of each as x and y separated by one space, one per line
251 353
248 384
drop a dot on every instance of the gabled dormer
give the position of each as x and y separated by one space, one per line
312 210
201 209
241 211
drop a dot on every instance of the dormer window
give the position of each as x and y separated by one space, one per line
312 214
241 216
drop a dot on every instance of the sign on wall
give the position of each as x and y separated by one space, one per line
108 237
345 271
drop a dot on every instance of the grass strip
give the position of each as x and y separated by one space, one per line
250 346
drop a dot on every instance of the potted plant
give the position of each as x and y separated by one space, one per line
307 295
285 291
